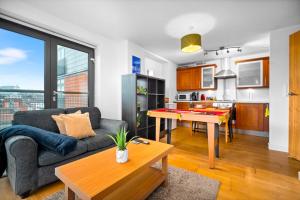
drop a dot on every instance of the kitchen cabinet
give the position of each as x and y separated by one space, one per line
189 78
253 73
251 116
183 105
207 77
183 79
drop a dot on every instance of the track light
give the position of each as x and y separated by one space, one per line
217 53
239 50
227 50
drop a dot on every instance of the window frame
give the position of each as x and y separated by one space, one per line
50 83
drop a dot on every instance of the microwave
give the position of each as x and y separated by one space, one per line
184 97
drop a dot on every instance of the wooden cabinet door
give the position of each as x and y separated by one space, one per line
253 73
184 79
207 77
266 72
195 78
266 119
250 116
183 105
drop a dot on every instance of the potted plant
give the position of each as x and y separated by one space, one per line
120 141
141 90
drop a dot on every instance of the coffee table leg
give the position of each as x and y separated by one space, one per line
69 194
165 169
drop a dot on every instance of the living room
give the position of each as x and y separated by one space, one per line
209 87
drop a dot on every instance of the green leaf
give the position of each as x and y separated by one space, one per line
113 139
133 138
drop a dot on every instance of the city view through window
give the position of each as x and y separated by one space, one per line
22 71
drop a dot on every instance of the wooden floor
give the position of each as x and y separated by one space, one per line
246 168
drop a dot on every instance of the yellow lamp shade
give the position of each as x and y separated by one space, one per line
191 43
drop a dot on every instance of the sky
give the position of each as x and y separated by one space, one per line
21 61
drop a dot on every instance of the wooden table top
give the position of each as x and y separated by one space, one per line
203 115
96 173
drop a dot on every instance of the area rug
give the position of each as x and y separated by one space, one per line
183 185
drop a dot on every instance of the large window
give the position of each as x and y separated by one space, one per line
40 71
72 78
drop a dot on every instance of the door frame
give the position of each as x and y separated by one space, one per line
49 62
53 63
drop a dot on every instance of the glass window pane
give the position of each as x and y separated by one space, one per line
21 74
72 77
21 61
250 74
207 77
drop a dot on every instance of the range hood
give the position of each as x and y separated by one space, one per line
225 71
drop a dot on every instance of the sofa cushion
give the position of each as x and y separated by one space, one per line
49 158
38 118
101 140
95 114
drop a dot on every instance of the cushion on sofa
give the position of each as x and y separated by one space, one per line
78 126
95 114
100 140
38 118
49 158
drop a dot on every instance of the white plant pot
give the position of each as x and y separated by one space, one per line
121 156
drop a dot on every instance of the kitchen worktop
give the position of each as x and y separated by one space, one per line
225 101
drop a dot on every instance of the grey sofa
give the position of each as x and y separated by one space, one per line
29 167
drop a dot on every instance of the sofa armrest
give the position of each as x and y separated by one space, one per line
22 164
112 125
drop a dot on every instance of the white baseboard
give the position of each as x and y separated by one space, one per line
276 147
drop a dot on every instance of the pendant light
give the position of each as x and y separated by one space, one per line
191 43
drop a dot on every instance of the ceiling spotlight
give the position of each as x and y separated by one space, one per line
217 53
227 50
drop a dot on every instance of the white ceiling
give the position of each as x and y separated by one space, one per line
236 22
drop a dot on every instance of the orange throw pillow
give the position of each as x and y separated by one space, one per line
78 126
60 122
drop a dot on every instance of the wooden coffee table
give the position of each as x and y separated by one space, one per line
99 176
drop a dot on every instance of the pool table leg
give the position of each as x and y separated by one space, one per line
217 140
169 129
157 132
211 144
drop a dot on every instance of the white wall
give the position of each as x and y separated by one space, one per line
279 80
153 68
112 57
162 67
108 53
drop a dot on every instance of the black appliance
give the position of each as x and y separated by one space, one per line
194 96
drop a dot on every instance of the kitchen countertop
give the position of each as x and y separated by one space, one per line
228 101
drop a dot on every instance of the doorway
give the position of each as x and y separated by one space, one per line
294 96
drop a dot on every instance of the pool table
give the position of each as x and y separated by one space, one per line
213 118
